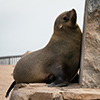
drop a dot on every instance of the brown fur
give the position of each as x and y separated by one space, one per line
58 62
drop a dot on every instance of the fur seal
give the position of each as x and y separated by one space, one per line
58 62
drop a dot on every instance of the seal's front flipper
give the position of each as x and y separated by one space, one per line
57 85
51 84
59 82
10 88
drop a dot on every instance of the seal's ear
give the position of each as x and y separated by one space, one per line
60 26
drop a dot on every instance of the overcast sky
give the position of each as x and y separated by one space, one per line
27 25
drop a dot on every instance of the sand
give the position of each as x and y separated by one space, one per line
6 79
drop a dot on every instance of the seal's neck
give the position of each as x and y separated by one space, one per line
61 38
56 41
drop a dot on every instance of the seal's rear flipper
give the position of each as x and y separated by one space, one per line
10 88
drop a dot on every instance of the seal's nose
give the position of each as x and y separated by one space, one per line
73 10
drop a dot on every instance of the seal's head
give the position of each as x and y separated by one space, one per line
66 20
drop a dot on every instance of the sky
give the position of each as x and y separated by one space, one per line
27 25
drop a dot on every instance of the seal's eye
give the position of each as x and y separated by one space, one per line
65 18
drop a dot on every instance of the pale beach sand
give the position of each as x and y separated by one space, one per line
6 79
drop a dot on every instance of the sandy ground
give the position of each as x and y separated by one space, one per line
5 79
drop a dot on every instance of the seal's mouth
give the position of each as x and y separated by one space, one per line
74 16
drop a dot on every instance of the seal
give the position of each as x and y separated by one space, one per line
58 62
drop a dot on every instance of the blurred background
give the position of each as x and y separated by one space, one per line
27 25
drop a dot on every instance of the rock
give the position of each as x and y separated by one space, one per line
26 53
91 69
43 92
81 94
38 91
